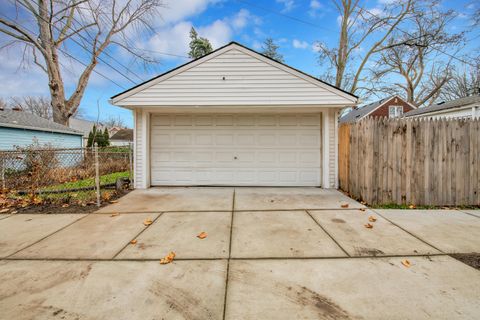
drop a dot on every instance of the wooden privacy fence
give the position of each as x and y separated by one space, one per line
411 161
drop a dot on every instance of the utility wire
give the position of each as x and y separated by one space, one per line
69 55
284 15
410 35
81 45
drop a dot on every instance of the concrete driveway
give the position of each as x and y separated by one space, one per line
270 253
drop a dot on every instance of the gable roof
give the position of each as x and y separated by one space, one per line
123 134
25 120
83 125
232 45
361 112
457 103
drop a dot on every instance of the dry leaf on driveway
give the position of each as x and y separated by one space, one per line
202 235
344 205
406 263
114 214
134 241
113 201
368 226
4 210
147 222
372 219
168 258
362 209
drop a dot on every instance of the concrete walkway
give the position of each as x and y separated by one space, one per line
270 253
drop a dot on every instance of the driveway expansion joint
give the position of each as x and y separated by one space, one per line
137 235
410 233
49 235
324 230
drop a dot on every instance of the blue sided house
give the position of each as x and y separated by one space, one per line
21 129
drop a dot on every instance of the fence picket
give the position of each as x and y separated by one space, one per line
419 161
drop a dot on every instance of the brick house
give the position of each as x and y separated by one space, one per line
392 107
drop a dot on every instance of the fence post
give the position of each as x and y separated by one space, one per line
97 175
130 162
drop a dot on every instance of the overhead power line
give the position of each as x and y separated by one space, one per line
284 15
410 35
71 56
81 45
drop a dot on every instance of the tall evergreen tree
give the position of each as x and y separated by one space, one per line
269 49
106 138
198 46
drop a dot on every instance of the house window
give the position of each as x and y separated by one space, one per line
395 111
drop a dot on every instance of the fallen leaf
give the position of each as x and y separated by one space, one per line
66 205
345 205
372 219
412 206
406 263
134 241
4 210
114 214
147 222
368 226
363 202
113 201
362 209
168 258
202 235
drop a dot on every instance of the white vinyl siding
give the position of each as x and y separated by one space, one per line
139 156
235 78
234 149
332 154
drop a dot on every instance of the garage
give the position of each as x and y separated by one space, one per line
235 149
235 118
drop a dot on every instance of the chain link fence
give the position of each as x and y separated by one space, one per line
41 170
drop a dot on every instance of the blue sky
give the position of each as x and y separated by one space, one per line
248 22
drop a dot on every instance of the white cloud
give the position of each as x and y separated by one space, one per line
243 18
298 44
174 38
179 10
218 33
315 6
288 5
257 45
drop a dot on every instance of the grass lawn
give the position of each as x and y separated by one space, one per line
105 179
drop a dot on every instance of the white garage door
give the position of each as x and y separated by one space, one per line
240 150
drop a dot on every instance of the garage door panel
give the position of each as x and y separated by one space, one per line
270 150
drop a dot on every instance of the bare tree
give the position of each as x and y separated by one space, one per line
93 25
463 83
39 106
362 35
419 63
113 121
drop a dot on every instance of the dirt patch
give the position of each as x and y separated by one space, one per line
361 251
471 259
46 208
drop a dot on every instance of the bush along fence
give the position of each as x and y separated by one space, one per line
411 161
39 171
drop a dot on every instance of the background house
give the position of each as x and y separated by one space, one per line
467 107
84 126
391 107
123 137
21 129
